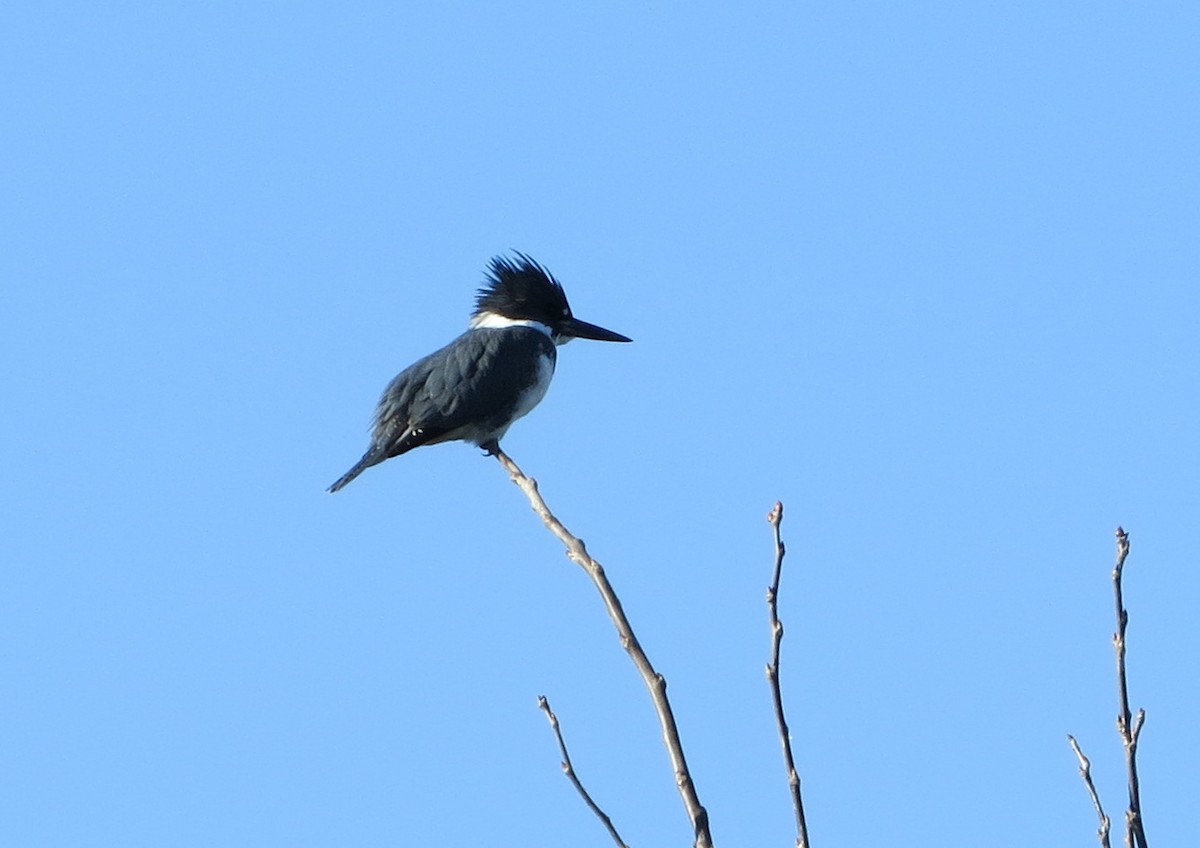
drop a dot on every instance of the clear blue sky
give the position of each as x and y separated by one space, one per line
927 272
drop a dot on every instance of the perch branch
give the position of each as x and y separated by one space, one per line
655 682
569 770
785 736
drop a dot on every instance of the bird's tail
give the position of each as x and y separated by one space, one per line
371 457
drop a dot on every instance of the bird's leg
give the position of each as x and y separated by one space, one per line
491 447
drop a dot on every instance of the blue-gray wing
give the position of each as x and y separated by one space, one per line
467 388
471 389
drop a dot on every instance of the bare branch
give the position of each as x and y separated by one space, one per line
785 736
655 682
1085 771
569 771
1135 834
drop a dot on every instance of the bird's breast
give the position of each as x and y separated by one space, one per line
533 393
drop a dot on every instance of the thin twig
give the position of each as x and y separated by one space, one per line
1127 727
654 681
1085 771
785 736
569 770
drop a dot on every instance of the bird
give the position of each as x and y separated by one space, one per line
474 388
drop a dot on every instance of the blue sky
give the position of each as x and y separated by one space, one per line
926 272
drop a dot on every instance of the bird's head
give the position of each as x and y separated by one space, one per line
520 292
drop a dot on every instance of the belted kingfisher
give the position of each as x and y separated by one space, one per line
474 388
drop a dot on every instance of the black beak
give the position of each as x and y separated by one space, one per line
573 328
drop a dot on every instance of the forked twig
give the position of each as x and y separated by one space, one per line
1085 771
655 682
1129 728
569 770
785 736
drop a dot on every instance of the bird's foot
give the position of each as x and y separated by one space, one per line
491 447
